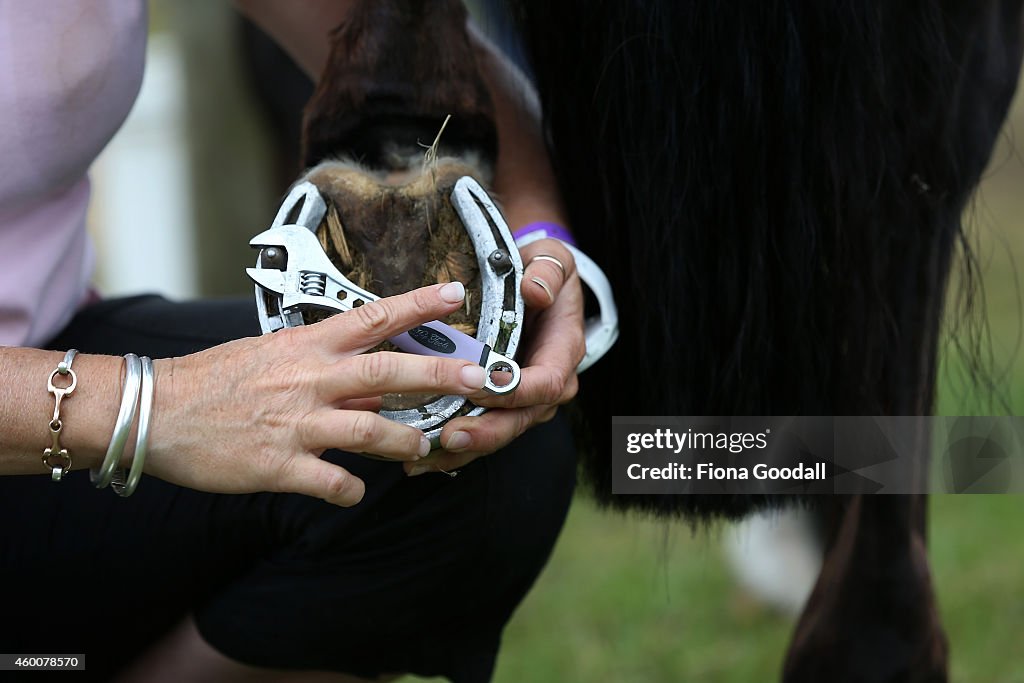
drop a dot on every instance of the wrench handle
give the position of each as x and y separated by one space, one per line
443 341
437 339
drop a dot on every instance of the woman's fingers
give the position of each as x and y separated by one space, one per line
466 439
362 328
552 353
359 431
384 372
329 403
493 430
539 384
321 479
549 265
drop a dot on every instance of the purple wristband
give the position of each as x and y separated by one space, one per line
551 230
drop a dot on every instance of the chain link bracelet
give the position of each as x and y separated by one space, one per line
56 452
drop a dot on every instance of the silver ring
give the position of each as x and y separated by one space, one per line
545 257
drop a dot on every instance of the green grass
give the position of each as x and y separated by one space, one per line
634 600
637 601
977 552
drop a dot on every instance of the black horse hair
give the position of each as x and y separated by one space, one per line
775 189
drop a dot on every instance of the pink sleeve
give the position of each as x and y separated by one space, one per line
69 73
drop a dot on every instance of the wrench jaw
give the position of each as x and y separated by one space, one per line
270 310
306 208
297 279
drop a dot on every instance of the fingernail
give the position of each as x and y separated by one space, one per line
457 441
417 470
473 376
453 292
424 447
545 287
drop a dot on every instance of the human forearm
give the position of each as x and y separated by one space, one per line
523 177
26 407
300 27
250 415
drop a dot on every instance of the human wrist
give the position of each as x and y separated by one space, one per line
542 230
166 380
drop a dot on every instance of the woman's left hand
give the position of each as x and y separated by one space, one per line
553 348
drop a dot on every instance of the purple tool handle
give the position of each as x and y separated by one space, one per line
437 339
552 230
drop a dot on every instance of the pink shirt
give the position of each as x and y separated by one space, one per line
69 73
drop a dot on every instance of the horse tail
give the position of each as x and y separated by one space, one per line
775 189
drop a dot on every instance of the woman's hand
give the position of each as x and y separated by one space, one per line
256 414
553 348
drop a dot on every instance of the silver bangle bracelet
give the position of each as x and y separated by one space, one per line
125 416
126 487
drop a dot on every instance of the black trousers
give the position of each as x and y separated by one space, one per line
419 577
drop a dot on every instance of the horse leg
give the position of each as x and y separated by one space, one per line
872 616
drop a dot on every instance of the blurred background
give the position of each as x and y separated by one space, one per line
199 168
